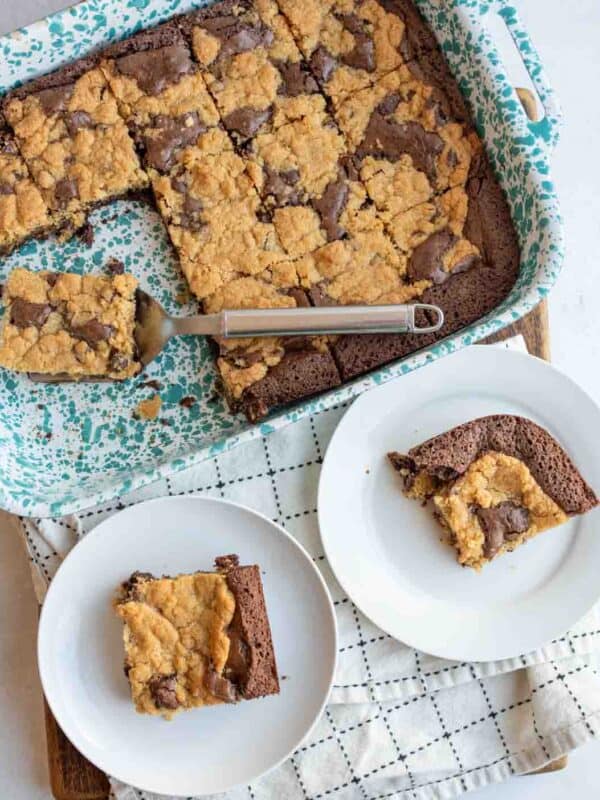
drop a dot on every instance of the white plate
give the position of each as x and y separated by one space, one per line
81 653
386 551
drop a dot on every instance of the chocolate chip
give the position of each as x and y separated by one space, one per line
155 70
330 206
322 63
86 234
24 314
390 139
247 121
296 79
350 164
389 103
55 100
362 55
115 266
168 136
220 686
8 146
281 187
426 262
191 213
65 190
130 589
51 278
118 361
93 332
237 36
187 402
299 295
162 688
501 523
77 120
6 189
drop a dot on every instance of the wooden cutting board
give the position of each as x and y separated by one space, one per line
72 777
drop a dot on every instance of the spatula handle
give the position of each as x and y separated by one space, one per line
330 320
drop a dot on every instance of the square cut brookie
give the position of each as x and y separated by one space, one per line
197 640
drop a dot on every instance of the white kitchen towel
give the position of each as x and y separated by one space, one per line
399 723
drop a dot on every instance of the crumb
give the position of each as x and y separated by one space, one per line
47 435
187 402
368 471
151 384
115 266
86 234
183 297
284 677
148 409
165 422
214 398
40 406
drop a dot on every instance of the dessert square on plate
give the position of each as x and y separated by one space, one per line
495 482
197 640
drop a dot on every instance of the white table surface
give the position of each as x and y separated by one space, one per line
566 34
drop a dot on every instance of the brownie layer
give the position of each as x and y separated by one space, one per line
450 454
251 664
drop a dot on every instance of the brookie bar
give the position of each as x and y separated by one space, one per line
197 640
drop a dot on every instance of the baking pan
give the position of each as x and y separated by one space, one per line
66 447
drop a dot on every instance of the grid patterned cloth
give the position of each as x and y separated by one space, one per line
399 723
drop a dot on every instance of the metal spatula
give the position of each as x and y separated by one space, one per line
154 327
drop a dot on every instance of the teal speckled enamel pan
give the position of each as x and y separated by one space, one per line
65 447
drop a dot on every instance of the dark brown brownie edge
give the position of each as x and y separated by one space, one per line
448 455
253 622
300 374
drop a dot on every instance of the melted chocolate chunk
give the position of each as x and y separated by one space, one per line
77 120
130 588
323 63
350 164
6 189
280 187
330 206
191 213
169 135
155 70
300 297
65 190
8 145
389 103
426 262
296 79
237 36
362 55
24 314
53 101
501 523
220 686
247 121
162 688
389 139
118 361
51 278
93 332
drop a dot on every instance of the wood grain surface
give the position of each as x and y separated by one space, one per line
72 776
